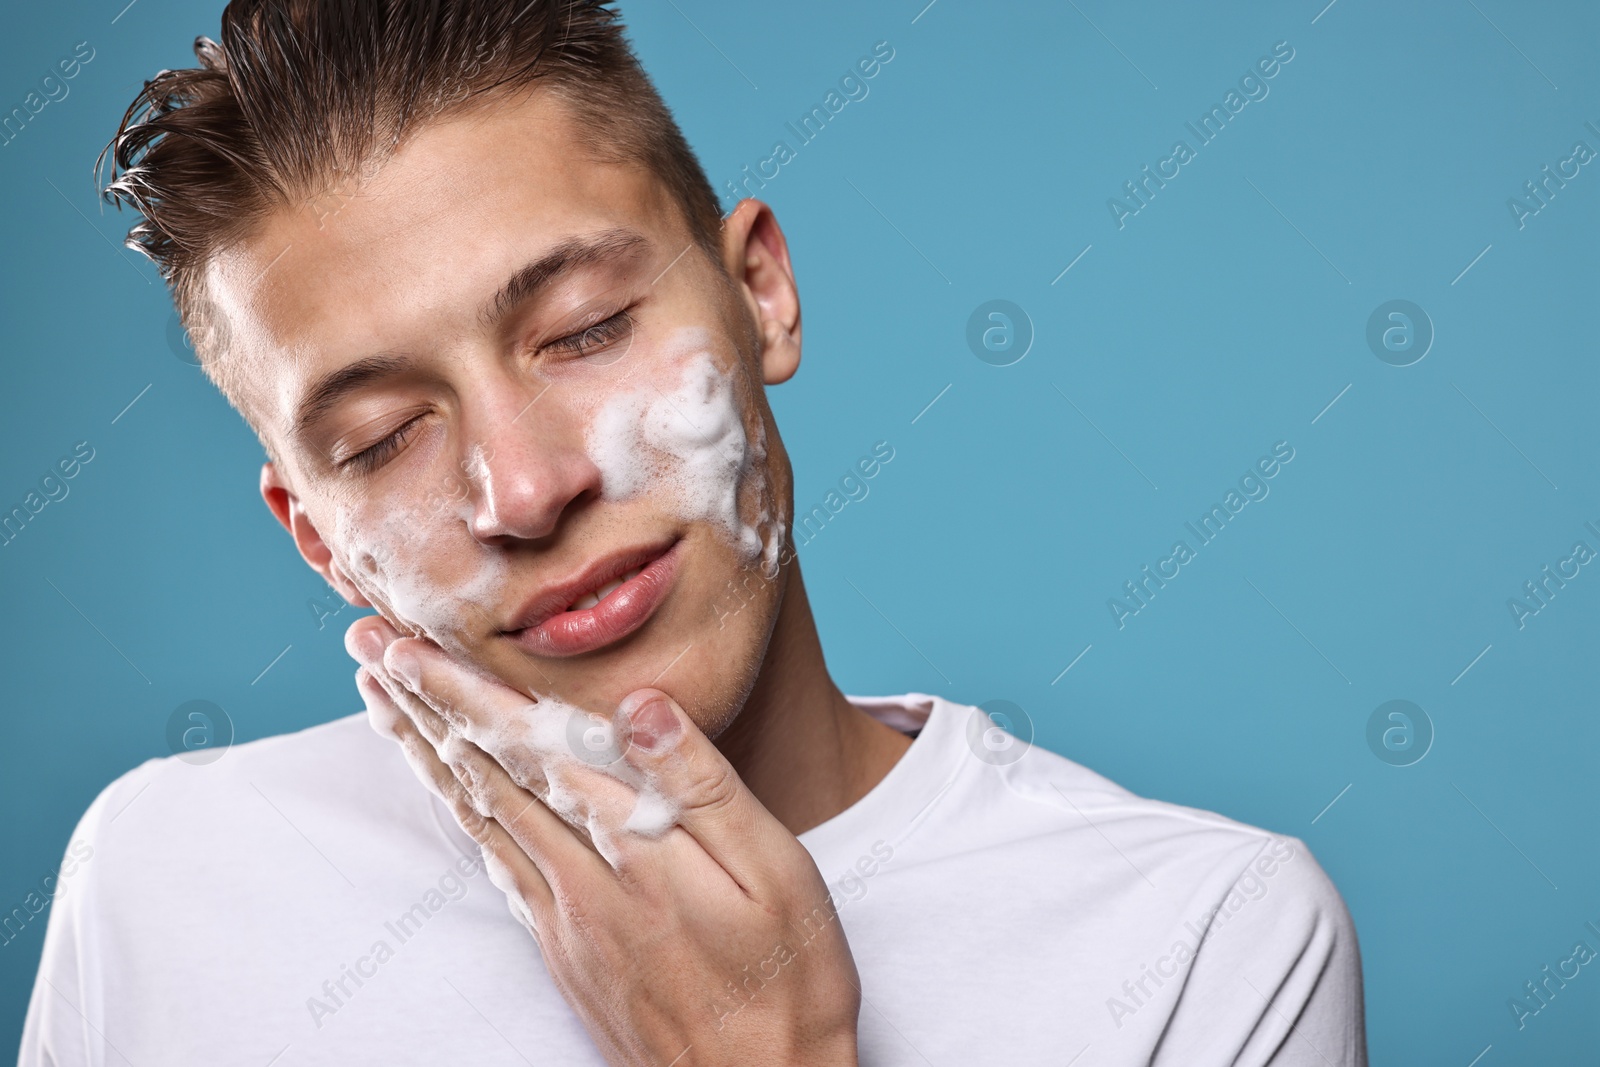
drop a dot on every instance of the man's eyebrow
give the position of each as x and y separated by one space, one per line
599 247
332 387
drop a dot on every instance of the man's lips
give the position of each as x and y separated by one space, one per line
606 601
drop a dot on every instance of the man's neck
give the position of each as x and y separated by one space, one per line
805 751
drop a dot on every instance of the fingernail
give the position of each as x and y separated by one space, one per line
368 646
654 724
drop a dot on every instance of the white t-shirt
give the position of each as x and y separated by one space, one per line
304 900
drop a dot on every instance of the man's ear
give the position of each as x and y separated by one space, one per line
757 259
287 509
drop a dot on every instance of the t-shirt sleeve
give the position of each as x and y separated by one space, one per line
1277 979
58 1031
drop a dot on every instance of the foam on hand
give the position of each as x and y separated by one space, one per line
563 746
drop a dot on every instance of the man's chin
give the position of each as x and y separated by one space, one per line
588 684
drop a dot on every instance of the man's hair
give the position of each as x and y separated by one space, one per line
301 95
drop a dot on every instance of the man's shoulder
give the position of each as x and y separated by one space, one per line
345 744
1066 821
1083 797
1176 842
1074 889
332 778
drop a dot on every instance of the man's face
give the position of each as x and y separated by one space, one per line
500 377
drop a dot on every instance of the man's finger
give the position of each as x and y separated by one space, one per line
713 803
473 705
365 640
512 786
547 747
529 819
505 858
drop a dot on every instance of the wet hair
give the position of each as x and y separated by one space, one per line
300 96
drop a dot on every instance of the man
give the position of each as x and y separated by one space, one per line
461 273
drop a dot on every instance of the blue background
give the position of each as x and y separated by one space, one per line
1223 317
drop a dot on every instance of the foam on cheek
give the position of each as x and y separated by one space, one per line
691 443
774 523
421 565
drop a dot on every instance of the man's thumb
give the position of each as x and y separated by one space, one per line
654 720
692 775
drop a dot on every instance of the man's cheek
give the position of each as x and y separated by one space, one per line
420 568
691 438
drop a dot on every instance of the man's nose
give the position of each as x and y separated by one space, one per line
526 473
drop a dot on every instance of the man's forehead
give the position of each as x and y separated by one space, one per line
416 246
459 193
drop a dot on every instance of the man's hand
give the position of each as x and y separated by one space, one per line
678 917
